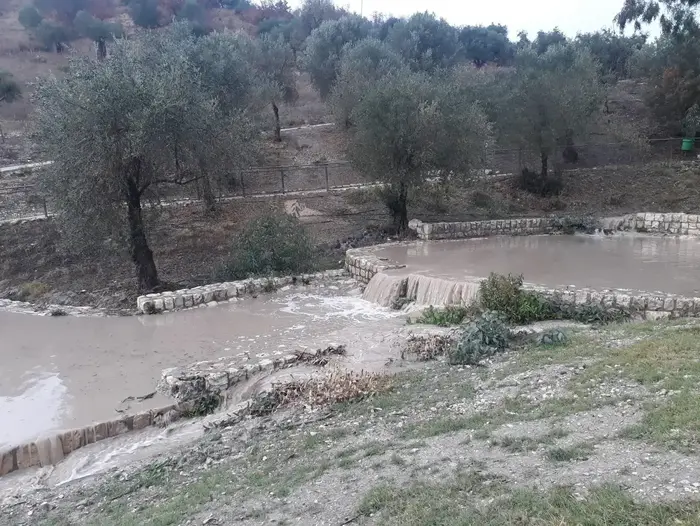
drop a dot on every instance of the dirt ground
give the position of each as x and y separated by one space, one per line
600 431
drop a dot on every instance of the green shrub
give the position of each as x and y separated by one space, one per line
445 316
268 245
552 337
485 336
504 294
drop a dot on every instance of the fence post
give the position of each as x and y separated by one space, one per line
328 188
242 183
282 175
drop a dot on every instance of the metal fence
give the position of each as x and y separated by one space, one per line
21 198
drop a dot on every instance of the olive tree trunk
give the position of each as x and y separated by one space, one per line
278 129
141 253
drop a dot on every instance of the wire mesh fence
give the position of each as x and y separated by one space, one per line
21 198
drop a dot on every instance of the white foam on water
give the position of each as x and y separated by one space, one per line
323 308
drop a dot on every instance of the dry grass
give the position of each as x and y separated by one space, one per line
338 386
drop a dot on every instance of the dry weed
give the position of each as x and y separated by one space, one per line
427 347
336 387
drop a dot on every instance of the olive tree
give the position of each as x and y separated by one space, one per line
547 100
361 65
97 30
427 43
276 64
125 128
325 46
410 127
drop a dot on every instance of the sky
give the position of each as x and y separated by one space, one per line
570 16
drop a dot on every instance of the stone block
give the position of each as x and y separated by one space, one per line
623 301
220 294
669 304
197 299
655 303
72 440
8 461
169 303
639 303
28 456
208 296
179 301
583 297
158 305
684 305
188 301
142 420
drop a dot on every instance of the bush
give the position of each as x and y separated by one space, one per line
504 294
481 338
444 317
274 244
542 185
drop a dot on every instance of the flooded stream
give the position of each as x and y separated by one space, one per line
66 372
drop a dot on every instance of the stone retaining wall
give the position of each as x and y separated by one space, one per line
51 450
665 223
215 377
496 227
647 305
209 295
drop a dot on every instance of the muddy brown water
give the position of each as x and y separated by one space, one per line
637 262
66 372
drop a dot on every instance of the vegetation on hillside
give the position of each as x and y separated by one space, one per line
420 101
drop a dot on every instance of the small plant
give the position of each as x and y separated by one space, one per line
570 225
31 291
552 337
272 244
481 338
444 317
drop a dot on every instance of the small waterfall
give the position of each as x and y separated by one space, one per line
50 450
425 290
385 289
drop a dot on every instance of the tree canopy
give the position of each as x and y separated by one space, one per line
362 64
146 117
325 45
486 45
426 42
547 100
674 16
410 126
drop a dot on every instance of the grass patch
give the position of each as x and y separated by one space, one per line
454 504
426 504
566 454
